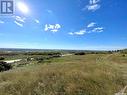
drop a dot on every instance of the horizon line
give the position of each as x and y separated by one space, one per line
66 49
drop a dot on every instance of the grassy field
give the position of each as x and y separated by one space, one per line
90 74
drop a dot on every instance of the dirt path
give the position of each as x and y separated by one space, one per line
66 55
12 61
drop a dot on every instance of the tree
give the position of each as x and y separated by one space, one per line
5 66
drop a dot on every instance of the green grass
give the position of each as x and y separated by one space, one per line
92 74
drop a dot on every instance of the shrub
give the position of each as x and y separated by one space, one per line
28 59
80 53
2 58
4 66
124 55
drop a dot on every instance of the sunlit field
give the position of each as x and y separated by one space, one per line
89 74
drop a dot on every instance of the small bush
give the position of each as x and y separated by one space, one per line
2 58
124 55
4 66
80 53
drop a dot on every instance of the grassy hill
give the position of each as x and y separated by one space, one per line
90 74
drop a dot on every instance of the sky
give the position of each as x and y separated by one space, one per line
65 24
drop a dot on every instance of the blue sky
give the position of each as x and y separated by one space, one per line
66 24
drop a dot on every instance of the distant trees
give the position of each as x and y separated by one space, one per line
93 52
8 54
80 53
4 66
124 51
43 53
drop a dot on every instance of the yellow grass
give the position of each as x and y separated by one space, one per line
71 75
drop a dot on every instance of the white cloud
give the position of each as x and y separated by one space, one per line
52 28
91 28
20 19
94 1
71 33
2 22
95 29
81 32
98 29
93 5
92 24
57 26
46 27
37 21
19 24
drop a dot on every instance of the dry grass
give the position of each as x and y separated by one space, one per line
71 75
